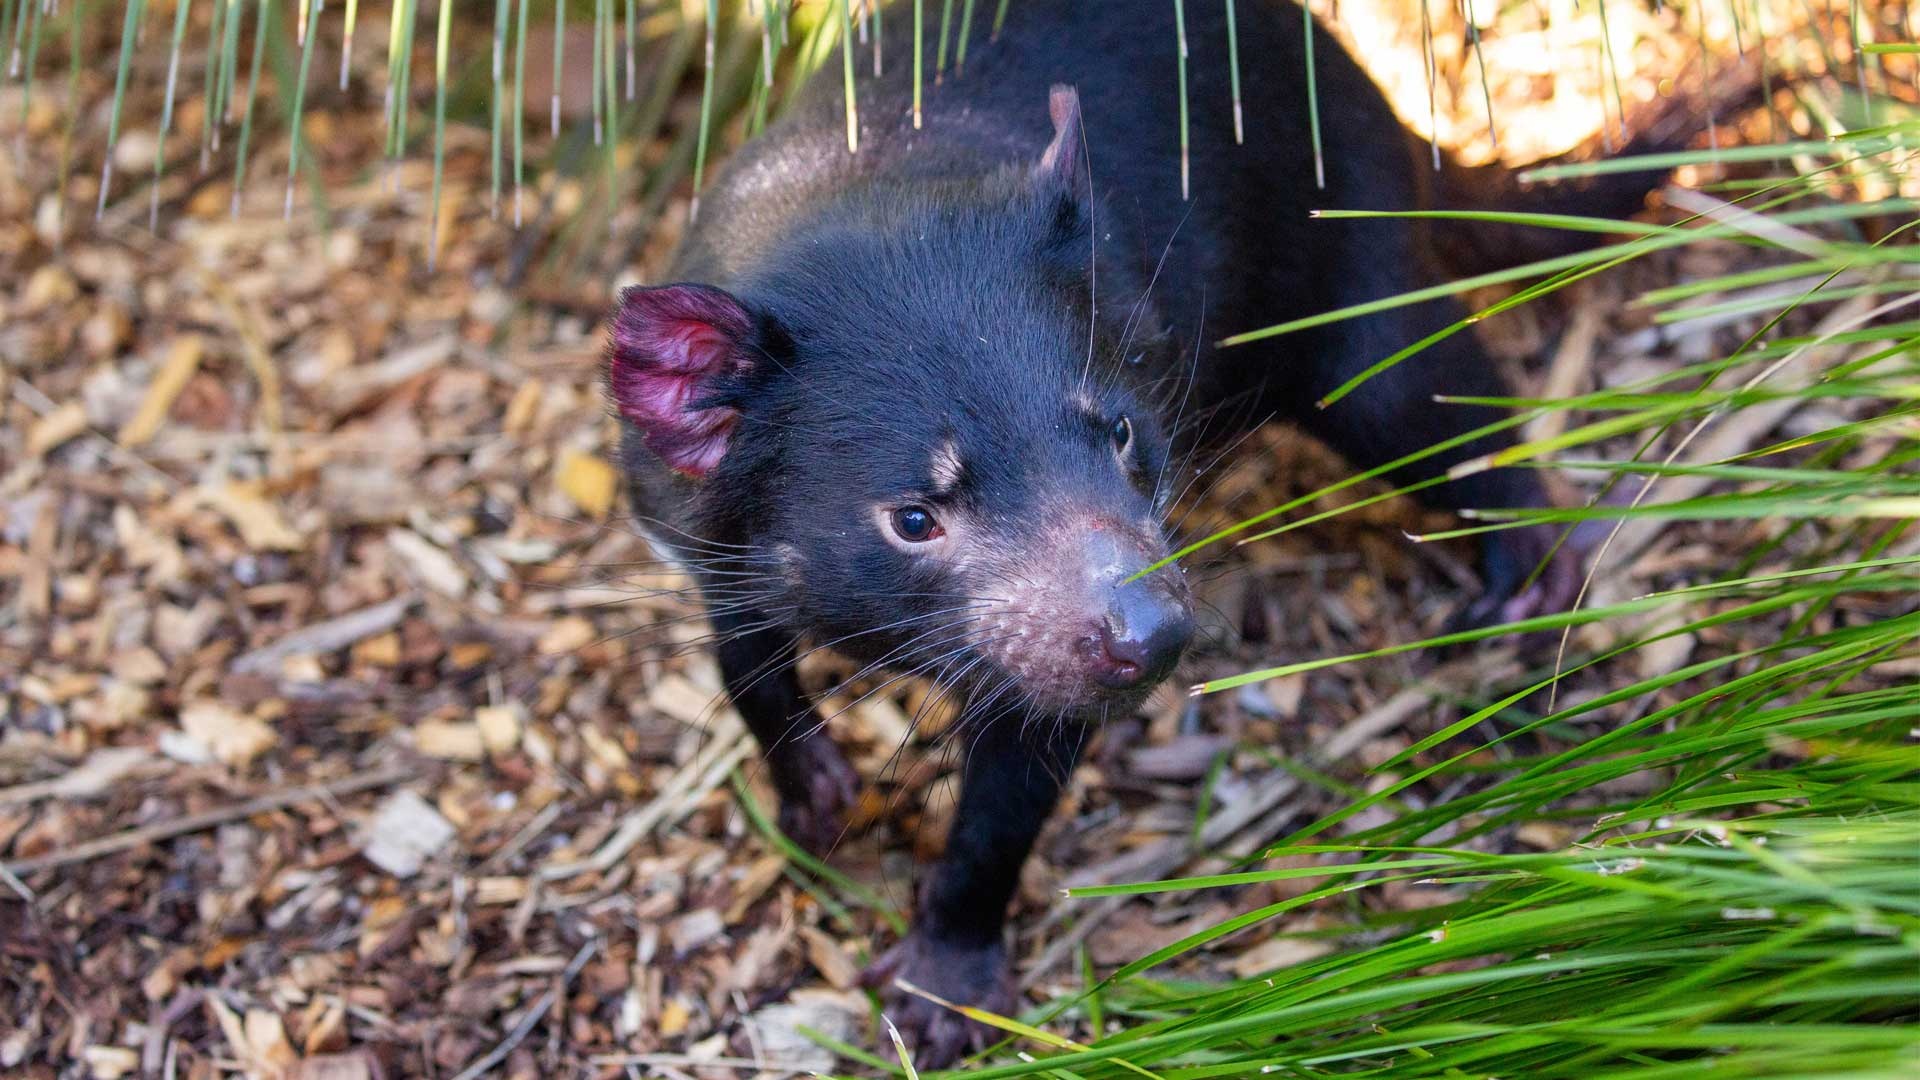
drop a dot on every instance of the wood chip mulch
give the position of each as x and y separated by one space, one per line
344 732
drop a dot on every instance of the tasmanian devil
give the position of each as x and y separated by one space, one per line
926 403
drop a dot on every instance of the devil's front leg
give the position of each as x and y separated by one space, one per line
1014 769
812 776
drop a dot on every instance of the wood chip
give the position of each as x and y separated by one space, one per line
830 959
452 741
183 359
694 929
253 516
50 431
101 771
325 637
110 1062
500 727
1276 953
567 635
404 833
229 736
431 567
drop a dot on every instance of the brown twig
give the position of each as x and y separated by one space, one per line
192 823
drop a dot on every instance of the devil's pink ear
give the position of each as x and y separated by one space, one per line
669 347
1065 161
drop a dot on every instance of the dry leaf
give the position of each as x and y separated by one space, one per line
588 481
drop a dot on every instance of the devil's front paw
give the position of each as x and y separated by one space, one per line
826 785
1514 590
962 974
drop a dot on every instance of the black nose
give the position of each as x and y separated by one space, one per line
1142 636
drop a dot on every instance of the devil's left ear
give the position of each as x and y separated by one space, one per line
1064 163
670 347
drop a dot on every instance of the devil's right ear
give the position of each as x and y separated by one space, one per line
670 347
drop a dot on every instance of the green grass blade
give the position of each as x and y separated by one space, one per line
611 104
1180 45
559 61
706 108
129 31
1313 100
72 111
1480 62
633 65
595 76
296 130
519 110
180 10
497 107
1735 154
1613 69
262 17
209 78
946 29
966 31
346 41
846 73
1433 103
12 22
33 52
443 31
398 35
403 103
919 55
228 111
1233 71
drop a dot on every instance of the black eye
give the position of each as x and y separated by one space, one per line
915 525
1121 433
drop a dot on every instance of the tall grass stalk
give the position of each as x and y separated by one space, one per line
180 11
129 32
262 18
296 130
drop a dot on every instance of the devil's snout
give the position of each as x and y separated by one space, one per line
1147 622
1141 639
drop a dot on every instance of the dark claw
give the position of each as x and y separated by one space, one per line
965 975
817 820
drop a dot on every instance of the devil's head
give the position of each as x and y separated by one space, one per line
927 448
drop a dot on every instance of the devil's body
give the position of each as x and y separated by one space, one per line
941 310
